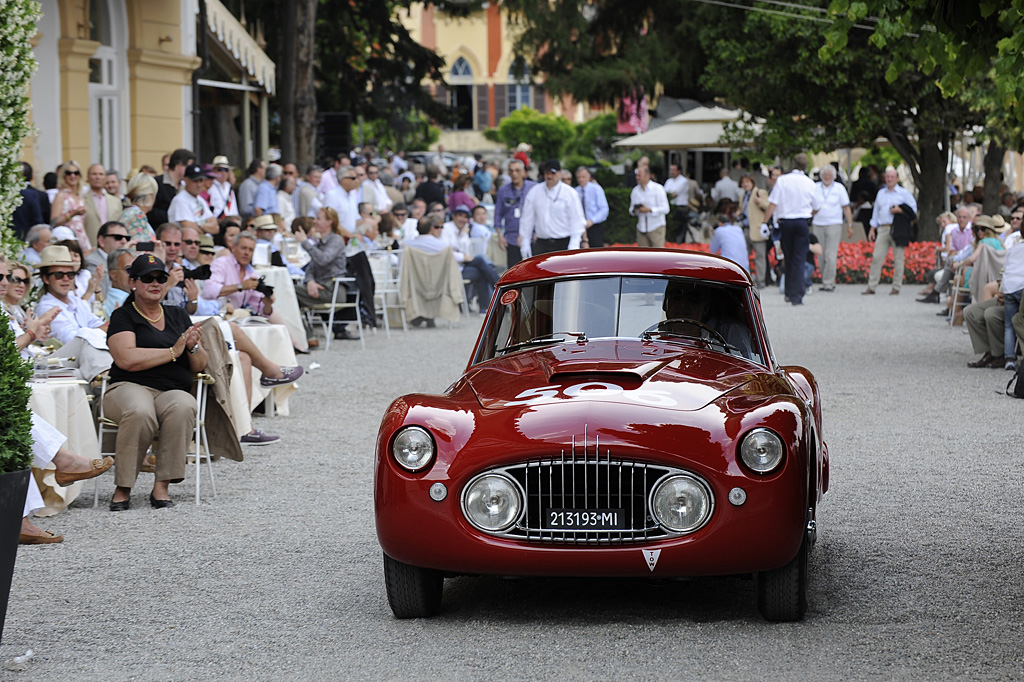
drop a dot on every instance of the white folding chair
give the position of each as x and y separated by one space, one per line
201 440
323 313
386 284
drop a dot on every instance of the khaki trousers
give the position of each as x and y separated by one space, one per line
654 239
985 323
883 242
140 413
829 236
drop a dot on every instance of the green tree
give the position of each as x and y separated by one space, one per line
16 66
549 134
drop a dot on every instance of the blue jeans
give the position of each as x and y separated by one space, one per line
482 278
1011 304
808 275
795 242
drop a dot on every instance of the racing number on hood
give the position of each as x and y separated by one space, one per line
592 389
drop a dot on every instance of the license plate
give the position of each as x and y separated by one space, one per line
589 519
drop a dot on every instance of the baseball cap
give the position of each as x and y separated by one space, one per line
196 172
462 208
144 263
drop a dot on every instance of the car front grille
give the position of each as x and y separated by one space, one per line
586 480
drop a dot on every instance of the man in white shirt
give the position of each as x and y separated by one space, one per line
649 203
398 163
433 237
678 192
793 201
828 223
345 199
222 196
188 209
552 210
382 201
725 188
889 203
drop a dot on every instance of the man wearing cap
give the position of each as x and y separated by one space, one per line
100 207
649 203
188 209
891 200
793 201
222 196
266 193
595 207
477 269
552 210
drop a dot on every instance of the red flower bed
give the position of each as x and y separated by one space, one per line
853 263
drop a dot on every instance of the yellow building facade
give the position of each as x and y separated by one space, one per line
115 83
482 85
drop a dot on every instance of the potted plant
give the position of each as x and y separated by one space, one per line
15 455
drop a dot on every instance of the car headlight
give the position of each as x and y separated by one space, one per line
413 448
762 450
681 503
492 502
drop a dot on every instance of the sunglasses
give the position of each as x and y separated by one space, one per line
118 237
151 277
190 242
172 243
17 280
67 173
249 226
399 214
62 275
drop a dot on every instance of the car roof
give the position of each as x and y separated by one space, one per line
628 260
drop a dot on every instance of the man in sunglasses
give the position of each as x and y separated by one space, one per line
112 236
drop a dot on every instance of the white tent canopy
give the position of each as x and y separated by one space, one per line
700 128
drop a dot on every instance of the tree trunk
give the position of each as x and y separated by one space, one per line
993 165
931 187
305 87
286 79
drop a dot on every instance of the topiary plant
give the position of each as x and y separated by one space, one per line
15 418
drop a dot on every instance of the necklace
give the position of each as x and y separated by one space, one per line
149 319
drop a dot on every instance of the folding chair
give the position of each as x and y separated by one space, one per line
320 310
202 442
386 285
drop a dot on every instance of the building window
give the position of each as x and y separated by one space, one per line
107 86
518 89
461 81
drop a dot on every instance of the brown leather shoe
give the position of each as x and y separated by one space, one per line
894 292
868 292
46 538
98 467
982 361
313 343
996 362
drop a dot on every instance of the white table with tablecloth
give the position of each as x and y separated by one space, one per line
286 304
62 403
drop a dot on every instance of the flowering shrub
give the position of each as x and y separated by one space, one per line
16 67
853 264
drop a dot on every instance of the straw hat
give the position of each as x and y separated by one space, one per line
999 224
264 222
54 256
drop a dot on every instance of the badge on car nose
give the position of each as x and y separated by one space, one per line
651 557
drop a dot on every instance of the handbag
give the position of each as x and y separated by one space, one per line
1015 387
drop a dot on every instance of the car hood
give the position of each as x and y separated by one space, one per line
630 371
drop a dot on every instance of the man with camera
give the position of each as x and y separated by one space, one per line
234 278
649 203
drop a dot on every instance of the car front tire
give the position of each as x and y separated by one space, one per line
413 592
782 592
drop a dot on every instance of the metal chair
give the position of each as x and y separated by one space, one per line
386 284
317 313
201 440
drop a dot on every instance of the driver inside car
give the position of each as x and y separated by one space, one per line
690 310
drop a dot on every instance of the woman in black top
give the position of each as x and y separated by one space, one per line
156 351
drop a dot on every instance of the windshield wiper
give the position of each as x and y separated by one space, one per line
581 338
649 335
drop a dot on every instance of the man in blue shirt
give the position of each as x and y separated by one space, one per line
728 240
508 209
266 193
595 207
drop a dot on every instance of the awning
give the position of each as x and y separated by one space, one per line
242 47
700 128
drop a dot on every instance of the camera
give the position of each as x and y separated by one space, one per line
265 288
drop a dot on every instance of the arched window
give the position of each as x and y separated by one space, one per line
518 89
108 85
461 81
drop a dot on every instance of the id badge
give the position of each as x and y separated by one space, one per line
516 213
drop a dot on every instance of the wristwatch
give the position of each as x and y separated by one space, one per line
239 286
194 301
193 349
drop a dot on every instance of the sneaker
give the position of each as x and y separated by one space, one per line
290 374
1010 365
830 287
257 437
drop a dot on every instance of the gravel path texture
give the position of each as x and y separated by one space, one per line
916 575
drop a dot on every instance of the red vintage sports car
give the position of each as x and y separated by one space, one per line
622 415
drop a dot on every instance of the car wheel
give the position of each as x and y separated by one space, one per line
782 592
413 592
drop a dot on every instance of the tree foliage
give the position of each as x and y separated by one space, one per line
15 418
596 50
547 133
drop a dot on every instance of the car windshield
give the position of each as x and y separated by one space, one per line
670 310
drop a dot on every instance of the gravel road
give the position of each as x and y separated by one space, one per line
916 575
